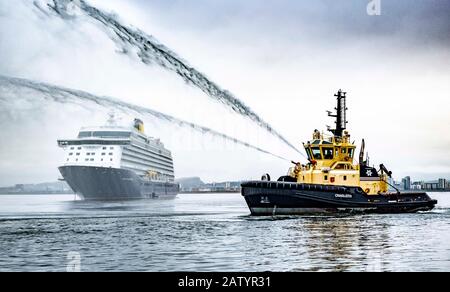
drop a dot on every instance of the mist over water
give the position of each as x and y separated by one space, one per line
15 88
151 52
77 51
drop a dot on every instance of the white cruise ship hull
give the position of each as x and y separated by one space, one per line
101 183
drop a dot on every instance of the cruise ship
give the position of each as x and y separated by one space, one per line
112 162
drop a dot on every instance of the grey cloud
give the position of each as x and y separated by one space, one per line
422 22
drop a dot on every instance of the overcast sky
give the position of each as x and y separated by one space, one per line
285 59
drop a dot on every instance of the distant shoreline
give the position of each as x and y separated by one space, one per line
36 193
71 193
181 193
211 192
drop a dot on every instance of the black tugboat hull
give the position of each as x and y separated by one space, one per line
284 198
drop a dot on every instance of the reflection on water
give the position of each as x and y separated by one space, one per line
214 232
340 243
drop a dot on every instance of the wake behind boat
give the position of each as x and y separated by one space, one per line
115 163
331 182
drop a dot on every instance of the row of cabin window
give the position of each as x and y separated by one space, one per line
90 159
91 154
104 148
327 152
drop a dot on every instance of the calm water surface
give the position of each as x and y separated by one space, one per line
214 232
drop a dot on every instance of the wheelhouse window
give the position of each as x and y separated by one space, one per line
308 153
344 150
316 153
327 152
351 151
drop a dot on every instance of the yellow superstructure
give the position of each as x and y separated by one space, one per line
331 159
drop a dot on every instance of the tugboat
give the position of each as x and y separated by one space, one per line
330 182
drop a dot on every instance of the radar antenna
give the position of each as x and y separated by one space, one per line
340 115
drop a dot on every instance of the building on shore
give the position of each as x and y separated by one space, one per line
439 185
406 183
416 186
196 185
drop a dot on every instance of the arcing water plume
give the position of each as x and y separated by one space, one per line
65 96
150 51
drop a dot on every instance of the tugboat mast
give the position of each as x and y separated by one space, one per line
340 115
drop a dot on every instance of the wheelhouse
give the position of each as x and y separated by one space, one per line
322 150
